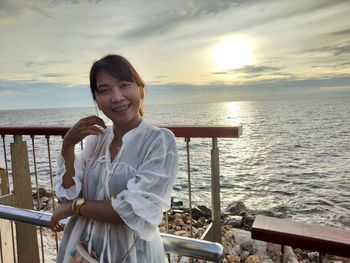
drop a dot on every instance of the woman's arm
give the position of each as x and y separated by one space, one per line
101 211
98 210
83 128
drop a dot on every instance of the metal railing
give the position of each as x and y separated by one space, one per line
31 146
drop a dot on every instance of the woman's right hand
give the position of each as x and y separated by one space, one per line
84 127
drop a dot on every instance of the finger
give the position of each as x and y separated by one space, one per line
91 130
93 120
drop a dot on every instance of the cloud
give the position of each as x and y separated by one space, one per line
251 69
337 50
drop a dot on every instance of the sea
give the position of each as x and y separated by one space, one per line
293 159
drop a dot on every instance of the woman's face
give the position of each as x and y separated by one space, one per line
119 100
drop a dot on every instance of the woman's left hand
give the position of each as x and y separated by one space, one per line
62 211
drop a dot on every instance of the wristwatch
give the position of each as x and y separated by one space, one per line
77 204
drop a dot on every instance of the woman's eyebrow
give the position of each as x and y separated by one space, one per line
101 85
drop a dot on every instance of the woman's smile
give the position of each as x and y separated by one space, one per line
121 108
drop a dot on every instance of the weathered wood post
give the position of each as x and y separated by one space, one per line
26 235
6 240
3 179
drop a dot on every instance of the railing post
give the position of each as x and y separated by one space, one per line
26 235
3 180
6 241
215 191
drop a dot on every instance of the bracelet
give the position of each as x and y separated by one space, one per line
77 204
73 205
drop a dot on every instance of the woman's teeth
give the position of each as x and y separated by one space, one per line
121 108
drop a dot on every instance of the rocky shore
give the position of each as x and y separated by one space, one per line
237 221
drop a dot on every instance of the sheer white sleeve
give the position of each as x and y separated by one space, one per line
79 166
141 206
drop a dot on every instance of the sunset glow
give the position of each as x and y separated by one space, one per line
233 54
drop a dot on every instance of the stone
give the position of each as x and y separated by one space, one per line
179 222
43 192
235 208
229 236
289 255
248 221
241 236
249 246
252 259
313 256
244 255
237 249
182 233
234 221
205 210
233 259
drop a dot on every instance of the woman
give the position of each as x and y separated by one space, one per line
118 187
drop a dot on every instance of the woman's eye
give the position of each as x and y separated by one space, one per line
124 85
101 91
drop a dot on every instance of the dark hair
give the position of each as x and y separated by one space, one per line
119 68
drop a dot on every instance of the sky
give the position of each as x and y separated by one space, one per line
186 51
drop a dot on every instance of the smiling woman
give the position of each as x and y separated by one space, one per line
233 53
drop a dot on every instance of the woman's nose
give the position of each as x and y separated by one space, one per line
117 95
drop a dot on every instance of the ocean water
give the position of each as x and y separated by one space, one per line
292 160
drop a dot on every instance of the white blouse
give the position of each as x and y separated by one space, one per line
139 182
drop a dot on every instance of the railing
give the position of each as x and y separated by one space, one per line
19 162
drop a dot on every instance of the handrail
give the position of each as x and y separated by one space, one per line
172 244
233 131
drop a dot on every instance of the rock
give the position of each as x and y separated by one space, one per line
237 249
274 251
228 250
234 221
241 236
244 255
43 192
248 221
205 210
289 255
260 246
201 211
230 236
198 223
252 259
233 259
179 222
182 233
249 246
235 208
313 256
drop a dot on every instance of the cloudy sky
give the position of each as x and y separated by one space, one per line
201 50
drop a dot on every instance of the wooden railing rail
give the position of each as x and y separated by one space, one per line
314 237
234 131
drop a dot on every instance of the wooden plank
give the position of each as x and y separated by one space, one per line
6 241
4 189
26 235
314 237
9 199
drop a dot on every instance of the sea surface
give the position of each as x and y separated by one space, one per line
293 158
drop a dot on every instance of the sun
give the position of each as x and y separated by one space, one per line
233 53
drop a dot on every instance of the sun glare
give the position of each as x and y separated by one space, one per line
233 54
